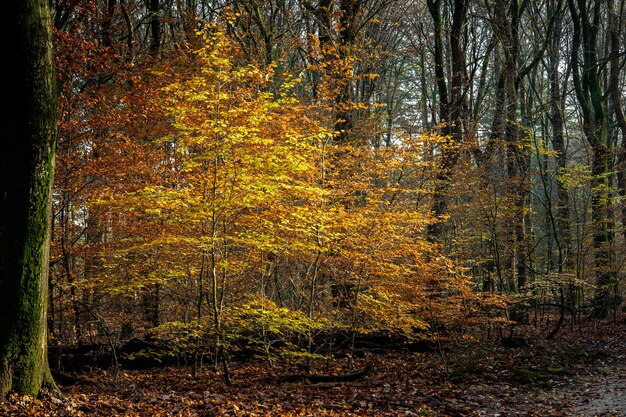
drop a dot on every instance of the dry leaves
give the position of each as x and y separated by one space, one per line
402 384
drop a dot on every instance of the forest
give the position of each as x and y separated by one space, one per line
323 208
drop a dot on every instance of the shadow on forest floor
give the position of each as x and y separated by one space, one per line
581 373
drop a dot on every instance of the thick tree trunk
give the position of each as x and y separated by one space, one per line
587 77
28 126
603 236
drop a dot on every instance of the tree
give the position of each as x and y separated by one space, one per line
452 106
495 124
588 84
28 121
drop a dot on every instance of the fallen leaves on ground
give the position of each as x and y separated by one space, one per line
573 376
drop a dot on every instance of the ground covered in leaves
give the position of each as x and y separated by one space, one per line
581 373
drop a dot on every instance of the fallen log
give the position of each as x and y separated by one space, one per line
313 378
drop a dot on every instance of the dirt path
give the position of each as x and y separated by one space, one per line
601 395
602 392
596 390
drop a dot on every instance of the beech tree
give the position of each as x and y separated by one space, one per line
501 120
28 121
587 79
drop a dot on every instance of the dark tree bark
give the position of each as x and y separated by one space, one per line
587 76
28 124
505 18
155 27
152 293
562 232
452 103
348 29
107 22
615 23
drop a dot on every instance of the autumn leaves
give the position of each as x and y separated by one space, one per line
245 211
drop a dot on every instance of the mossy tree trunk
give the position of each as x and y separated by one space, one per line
27 140
588 79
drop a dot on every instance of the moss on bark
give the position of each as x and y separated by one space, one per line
28 125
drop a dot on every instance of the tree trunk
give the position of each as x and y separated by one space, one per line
28 125
587 76
506 18
155 27
452 103
562 234
616 99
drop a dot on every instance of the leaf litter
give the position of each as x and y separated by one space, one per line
578 375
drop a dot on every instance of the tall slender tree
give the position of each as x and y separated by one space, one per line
452 99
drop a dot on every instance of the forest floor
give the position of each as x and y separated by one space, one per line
581 373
